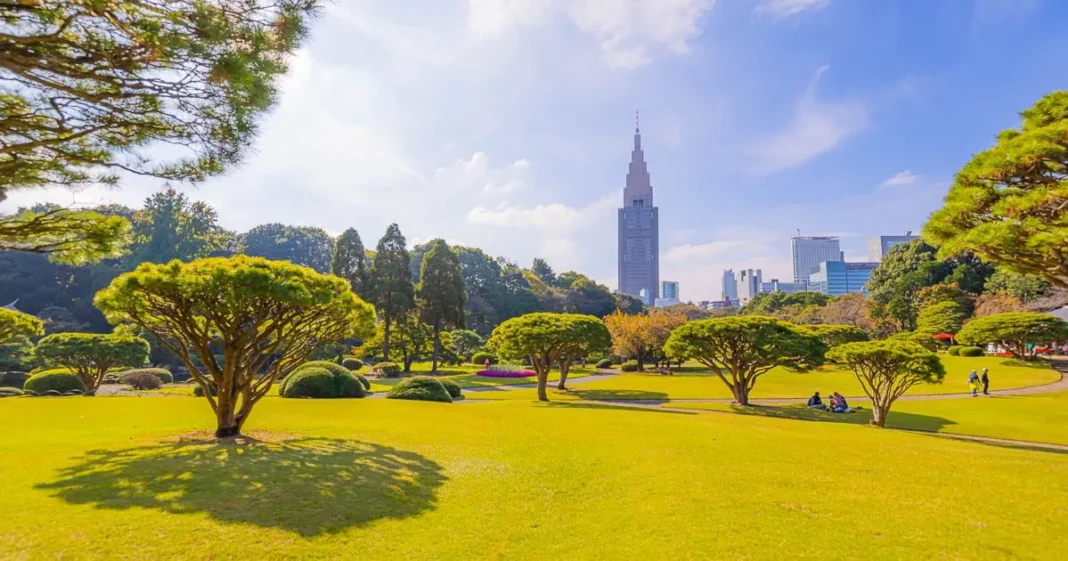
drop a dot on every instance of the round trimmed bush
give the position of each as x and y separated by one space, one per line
322 383
452 387
420 388
352 363
10 392
143 381
629 366
59 380
481 357
971 351
163 374
386 369
363 380
198 391
13 379
604 363
332 367
954 350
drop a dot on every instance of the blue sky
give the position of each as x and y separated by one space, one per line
506 124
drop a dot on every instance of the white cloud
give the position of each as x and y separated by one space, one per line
781 9
817 127
900 178
628 32
687 252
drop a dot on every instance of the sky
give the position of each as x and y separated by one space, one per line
506 124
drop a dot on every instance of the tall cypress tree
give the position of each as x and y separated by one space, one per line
441 291
393 290
350 262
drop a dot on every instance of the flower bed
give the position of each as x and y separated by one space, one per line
505 371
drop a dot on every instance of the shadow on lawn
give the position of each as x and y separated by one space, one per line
895 419
619 395
308 486
611 407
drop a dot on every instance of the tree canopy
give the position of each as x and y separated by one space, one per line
91 87
441 293
1007 203
350 261
834 335
642 336
887 369
69 237
588 335
91 355
302 245
1016 332
464 342
14 324
237 324
394 291
740 349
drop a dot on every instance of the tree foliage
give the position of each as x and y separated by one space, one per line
69 237
394 291
90 87
237 324
171 226
1016 332
767 303
740 349
544 338
464 342
895 285
440 293
834 335
942 317
1025 288
15 324
887 369
1007 203
350 261
543 271
642 336
91 355
588 335
301 245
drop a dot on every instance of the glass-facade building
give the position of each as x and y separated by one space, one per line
836 278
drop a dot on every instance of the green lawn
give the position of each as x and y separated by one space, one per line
1036 418
693 383
467 378
380 479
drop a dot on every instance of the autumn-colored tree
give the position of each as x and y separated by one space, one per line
642 336
887 369
997 303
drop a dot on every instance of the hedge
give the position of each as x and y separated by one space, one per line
352 363
163 374
58 379
13 379
971 351
481 357
954 350
387 369
10 392
142 380
629 366
452 387
322 383
604 363
420 388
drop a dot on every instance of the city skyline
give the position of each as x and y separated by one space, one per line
836 118
638 252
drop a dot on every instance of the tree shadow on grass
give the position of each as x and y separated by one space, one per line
895 419
611 407
309 486
620 395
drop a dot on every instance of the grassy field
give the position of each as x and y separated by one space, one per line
693 383
1036 418
377 479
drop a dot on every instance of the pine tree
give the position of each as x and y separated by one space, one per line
441 292
394 293
350 262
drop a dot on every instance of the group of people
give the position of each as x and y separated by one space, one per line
838 403
975 381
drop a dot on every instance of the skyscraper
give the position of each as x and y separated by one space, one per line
639 237
750 284
730 286
669 290
809 251
878 246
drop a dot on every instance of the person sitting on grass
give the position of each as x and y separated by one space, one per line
838 401
815 402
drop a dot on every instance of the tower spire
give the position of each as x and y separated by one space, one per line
637 123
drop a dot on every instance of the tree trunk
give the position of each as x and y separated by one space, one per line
543 379
565 366
385 341
228 424
437 346
741 393
878 414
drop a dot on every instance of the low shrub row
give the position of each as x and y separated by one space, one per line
59 380
629 366
971 351
481 357
604 363
162 374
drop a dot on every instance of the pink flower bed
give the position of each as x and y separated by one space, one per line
505 374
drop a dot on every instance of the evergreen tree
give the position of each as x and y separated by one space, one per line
441 292
394 293
350 262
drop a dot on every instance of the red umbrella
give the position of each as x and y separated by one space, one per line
943 337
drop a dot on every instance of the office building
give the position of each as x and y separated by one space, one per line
669 290
785 287
878 246
809 251
750 283
730 287
836 278
639 237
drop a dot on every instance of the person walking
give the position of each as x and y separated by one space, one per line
973 381
985 379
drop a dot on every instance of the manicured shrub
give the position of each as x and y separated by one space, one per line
10 392
199 390
971 351
163 374
420 388
143 380
481 357
629 366
452 387
386 369
954 350
363 380
58 380
352 363
604 363
332 367
51 393
13 379
322 383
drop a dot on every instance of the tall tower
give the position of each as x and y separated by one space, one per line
639 232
